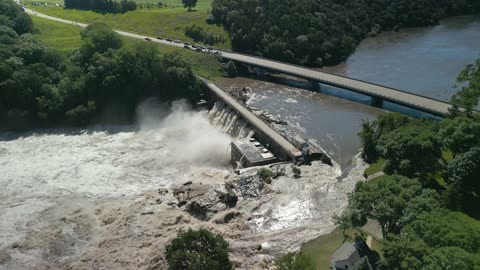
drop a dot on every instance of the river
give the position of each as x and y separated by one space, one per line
423 60
49 174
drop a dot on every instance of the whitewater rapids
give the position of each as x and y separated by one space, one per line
63 189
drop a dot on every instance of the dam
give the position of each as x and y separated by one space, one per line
265 145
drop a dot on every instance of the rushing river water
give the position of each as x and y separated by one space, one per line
47 173
424 61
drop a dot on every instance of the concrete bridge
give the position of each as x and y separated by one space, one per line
377 92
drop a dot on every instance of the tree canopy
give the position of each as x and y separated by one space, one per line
469 95
393 201
463 177
440 239
198 250
42 87
189 4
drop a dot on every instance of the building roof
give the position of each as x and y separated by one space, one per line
347 250
344 252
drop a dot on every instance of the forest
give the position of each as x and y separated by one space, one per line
41 87
109 6
322 32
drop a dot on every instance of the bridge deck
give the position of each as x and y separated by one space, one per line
421 103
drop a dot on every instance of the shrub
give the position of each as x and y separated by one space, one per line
265 173
296 172
199 250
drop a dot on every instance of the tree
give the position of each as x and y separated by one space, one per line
393 201
373 130
99 37
401 148
344 222
440 239
23 23
292 262
469 95
460 134
189 4
231 69
463 178
198 250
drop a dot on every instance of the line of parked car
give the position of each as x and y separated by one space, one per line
186 45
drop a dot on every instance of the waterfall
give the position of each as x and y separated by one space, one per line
222 116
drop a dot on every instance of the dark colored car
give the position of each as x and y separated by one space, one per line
159 38
148 39
186 43
169 39
186 46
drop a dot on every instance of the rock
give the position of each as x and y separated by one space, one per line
162 191
229 216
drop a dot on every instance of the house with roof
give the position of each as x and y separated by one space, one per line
349 254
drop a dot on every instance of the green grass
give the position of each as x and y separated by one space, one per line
322 248
168 22
201 4
447 155
65 37
375 167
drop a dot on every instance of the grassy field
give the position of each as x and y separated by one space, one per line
65 37
322 248
375 167
201 4
167 22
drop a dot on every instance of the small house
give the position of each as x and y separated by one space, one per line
349 254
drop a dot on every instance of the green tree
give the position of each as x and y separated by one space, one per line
440 239
469 95
463 178
231 69
189 4
198 250
99 37
291 262
401 148
344 222
460 134
393 201
23 23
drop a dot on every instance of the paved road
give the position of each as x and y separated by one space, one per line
421 103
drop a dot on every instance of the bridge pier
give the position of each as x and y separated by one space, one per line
260 72
377 102
315 86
